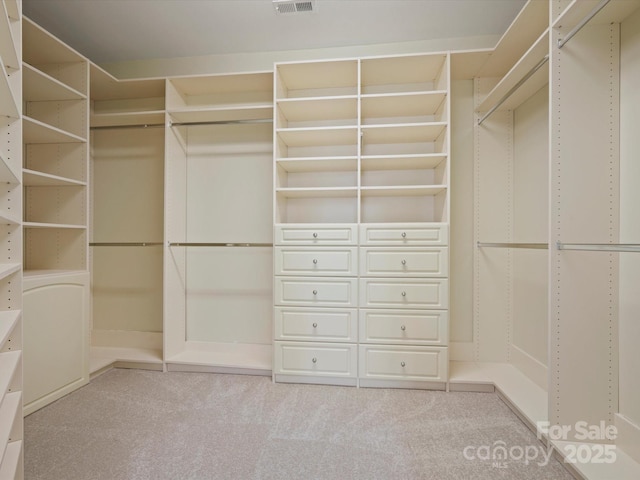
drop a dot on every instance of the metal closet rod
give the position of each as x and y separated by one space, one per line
529 74
539 246
600 247
583 22
125 244
210 244
183 124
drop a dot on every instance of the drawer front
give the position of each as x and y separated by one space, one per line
331 360
324 325
417 327
316 235
403 363
404 262
329 292
404 293
316 261
404 234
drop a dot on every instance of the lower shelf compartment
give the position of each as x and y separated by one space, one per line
104 357
239 358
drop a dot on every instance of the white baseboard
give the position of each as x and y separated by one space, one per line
531 367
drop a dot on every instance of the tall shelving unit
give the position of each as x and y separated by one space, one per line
11 359
55 181
361 205
218 261
127 156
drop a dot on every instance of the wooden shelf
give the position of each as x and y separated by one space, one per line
32 178
102 357
8 104
8 320
402 104
10 411
399 70
321 136
530 23
8 366
197 91
309 76
614 12
34 274
530 59
52 225
11 460
8 51
319 164
37 86
7 175
127 118
7 218
105 86
402 162
40 47
7 269
403 191
223 113
240 356
404 133
319 108
35 131
326 192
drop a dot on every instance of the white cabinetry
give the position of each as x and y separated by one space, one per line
55 132
362 144
11 321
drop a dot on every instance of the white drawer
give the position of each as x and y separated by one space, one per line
404 234
417 327
316 235
326 292
403 363
404 293
329 261
321 359
404 262
324 325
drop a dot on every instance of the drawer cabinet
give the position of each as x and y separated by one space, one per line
318 325
416 327
317 359
320 261
403 363
330 292
404 234
316 235
430 293
404 262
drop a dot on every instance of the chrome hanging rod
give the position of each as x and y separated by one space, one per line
601 247
208 244
122 127
529 74
221 122
125 244
539 246
583 22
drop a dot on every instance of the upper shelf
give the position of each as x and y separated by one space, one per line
34 131
613 12
127 118
403 73
106 87
39 46
40 87
8 51
301 137
319 108
8 105
32 178
402 104
316 79
223 113
407 133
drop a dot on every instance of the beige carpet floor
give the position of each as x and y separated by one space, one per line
134 424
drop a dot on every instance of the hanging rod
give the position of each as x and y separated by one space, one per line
583 22
221 122
600 247
121 127
539 246
125 244
208 244
529 74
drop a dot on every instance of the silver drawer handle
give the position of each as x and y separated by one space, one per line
404 294
403 328
404 234
315 325
315 292
315 235
314 360
404 262
402 364
315 261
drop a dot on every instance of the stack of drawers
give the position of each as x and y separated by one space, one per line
316 303
394 332
404 301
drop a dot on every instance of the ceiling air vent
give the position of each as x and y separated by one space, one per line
294 6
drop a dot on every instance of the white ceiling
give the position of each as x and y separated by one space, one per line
109 31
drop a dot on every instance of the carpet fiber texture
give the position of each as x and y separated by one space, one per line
134 424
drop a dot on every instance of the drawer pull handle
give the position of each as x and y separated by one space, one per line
404 234
314 360
315 325
402 364
315 261
403 328
315 292
315 235
404 262
404 294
